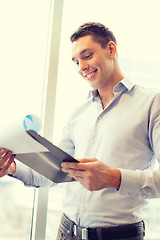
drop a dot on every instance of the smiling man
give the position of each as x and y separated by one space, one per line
97 63
115 135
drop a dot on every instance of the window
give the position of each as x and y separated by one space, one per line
135 24
23 55
25 29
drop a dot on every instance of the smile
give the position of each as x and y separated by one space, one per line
90 75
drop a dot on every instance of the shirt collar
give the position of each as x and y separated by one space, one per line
125 83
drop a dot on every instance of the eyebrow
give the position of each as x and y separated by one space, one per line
82 52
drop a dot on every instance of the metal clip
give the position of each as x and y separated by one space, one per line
84 233
75 230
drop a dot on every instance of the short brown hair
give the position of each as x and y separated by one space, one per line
98 31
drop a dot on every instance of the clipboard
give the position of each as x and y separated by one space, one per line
47 163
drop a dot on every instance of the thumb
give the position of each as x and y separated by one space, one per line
87 160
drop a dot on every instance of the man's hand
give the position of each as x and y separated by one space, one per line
93 174
7 164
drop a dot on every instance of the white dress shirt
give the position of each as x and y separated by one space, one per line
124 135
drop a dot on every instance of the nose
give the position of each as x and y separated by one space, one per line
83 65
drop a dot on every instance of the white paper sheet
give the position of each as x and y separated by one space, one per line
13 135
28 146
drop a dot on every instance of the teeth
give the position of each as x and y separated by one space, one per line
89 75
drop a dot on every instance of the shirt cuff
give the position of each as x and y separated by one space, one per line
130 182
21 171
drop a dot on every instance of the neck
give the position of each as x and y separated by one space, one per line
105 100
106 94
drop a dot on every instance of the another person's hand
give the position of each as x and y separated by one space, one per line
93 174
7 164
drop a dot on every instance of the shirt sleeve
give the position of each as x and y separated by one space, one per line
30 177
145 184
140 184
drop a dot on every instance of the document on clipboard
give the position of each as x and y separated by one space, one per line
34 150
47 163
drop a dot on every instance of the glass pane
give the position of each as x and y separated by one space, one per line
16 209
135 24
23 51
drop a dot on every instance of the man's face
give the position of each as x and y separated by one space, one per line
93 62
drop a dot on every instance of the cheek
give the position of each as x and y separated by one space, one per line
80 73
99 62
106 65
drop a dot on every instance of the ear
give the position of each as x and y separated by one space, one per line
112 49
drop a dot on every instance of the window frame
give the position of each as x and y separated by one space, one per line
49 99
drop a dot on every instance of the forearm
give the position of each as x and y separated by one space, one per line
30 177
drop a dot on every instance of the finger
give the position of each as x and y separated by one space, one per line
74 165
5 157
12 168
87 160
69 165
2 151
82 165
4 169
79 179
73 172
73 169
